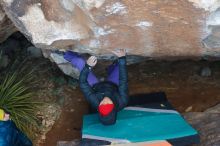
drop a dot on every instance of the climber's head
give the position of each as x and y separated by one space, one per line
107 111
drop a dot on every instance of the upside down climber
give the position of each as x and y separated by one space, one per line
109 96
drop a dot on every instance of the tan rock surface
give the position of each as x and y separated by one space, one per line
153 28
149 28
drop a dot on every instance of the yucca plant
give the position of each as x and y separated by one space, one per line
16 99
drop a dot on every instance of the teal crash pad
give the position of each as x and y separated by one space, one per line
138 125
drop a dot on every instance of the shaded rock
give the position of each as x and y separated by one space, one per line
207 123
11 47
6 26
34 52
213 40
68 69
208 127
64 65
215 109
131 59
4 61
205 72
22 39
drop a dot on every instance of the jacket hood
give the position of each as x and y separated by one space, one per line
110 119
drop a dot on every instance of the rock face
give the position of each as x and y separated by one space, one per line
6 26
64 65
48 21
157 29
207 123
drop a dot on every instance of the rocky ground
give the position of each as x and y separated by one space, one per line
192 87
169 30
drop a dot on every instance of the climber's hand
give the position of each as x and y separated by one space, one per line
119 52
92 61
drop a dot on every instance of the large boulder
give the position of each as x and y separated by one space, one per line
164 29
157 29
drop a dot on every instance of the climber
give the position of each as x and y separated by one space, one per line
10 135
107 97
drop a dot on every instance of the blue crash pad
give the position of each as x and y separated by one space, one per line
136 124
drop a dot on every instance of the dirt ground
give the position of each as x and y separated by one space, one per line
185 88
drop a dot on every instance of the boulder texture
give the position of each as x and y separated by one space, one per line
207 123
151 28
6 26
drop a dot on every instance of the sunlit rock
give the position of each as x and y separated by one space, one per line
176 29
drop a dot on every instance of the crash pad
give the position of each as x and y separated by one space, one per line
144 122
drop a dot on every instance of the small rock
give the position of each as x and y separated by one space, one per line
49 123
72 110
43 137
44 122
34 52
189 109
205 72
